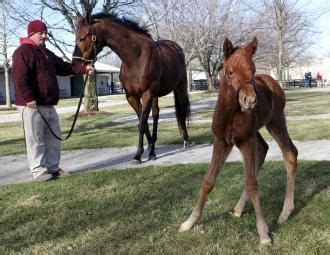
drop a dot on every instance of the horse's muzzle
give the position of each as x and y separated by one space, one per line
247 102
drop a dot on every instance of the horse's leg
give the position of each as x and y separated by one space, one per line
261 151
248 150
182 109
280 133
155 116
219 155
136 105
143 122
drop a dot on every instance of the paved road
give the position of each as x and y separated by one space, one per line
14 168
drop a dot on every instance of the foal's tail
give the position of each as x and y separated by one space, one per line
182 106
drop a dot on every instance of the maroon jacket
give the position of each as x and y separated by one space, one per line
34 73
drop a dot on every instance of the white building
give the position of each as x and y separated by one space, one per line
314 66
71 85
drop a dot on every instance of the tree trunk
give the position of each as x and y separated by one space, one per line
209 82
90 98
190 80
280 60
7 84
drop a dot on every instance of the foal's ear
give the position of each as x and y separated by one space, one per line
228 47
252 46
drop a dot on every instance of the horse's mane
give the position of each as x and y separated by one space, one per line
131 24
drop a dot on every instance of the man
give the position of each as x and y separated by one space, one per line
34 73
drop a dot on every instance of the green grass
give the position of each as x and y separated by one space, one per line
139 211
299 102
305 102
100 131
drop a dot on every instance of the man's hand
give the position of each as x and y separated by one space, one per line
32 104
89 70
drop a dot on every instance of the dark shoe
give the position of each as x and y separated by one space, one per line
43 177
61 173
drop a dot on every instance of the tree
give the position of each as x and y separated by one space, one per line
289 29
5 43
200 28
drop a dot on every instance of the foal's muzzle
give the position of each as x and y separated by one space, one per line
247 97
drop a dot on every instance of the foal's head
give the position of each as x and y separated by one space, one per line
239 71
88 43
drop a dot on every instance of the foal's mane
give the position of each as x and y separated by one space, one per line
131 24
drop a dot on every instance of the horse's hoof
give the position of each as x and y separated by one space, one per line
186 145
136 161
153 157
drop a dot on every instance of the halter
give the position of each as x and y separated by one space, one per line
94 39
242 83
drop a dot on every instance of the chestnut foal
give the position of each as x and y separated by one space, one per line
247 102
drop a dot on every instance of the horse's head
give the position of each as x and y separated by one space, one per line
239 71
88 41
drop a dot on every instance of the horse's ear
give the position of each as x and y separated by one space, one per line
95 21
252 46
228 47
87 18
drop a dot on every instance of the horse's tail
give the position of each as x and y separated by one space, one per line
182 106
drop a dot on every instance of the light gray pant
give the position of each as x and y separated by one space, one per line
43 149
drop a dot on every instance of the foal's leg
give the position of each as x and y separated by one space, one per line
248 150
280 133
219 155
261 151
155 116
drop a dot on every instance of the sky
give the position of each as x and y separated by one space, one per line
322 47
322 24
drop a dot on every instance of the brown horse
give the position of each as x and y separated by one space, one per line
150 69
247 102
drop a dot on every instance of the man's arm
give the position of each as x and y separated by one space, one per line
64 68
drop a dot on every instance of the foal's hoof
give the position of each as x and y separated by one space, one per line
152 157
185 226
266 241
235 214
284 216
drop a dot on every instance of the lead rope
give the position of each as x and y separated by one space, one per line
80 100
74 120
